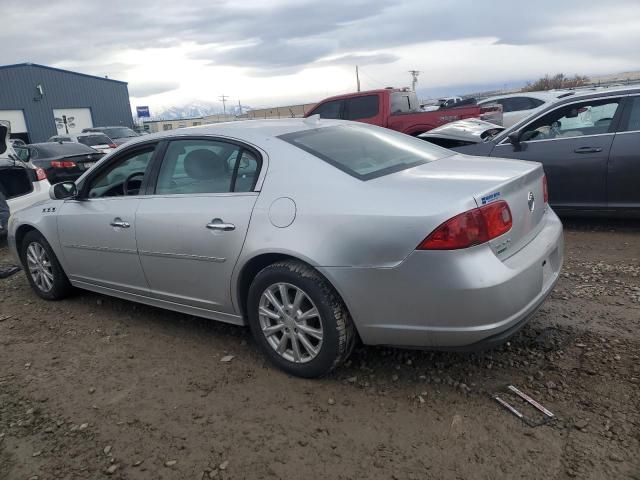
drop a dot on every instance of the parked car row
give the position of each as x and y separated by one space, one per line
97 141
588 143
400 110
318 231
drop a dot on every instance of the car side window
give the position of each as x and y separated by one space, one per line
247 172
361 107
329 109
592 117
197 166
123 177
631 121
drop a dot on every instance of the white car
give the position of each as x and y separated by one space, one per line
517 106
21 184
96 140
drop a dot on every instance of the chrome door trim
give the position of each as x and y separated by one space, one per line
627 131
182 256
554 139
100 249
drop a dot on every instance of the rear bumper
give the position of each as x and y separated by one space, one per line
462 299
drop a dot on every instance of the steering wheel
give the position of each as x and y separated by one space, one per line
125 185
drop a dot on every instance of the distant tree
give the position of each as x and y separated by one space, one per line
556 82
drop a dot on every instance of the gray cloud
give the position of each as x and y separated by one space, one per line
272 39
152 88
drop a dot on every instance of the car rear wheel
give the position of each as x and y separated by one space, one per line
42 267
299 320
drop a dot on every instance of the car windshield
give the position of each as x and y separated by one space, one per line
91 140
119 132
52 150
365 152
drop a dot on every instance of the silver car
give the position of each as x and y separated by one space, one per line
313 232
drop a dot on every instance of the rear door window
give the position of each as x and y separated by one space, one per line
361 107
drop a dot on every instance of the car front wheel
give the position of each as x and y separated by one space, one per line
44 272
299 320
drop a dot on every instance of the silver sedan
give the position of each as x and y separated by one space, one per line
313 232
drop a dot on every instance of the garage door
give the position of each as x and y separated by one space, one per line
72 120
16 118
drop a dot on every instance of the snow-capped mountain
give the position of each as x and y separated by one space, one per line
193 110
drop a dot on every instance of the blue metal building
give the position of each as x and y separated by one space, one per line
42 101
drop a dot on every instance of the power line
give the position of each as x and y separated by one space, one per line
223 99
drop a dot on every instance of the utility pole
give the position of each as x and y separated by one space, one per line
223 99
239 108
357 78
414 78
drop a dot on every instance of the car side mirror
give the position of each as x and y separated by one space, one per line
514 138
63 190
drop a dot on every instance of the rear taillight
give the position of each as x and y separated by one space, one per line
63 164
470 228
113 145
40 174
545 189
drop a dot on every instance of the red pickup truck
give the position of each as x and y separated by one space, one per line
399 109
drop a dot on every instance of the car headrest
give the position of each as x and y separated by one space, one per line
203 164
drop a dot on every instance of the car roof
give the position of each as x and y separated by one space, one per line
546 96
252 131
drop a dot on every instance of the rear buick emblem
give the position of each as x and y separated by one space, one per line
531 201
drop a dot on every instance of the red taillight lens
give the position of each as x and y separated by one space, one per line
470 228
113 145
545 189
40 174
63 164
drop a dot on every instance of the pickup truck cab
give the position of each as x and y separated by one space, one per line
399 109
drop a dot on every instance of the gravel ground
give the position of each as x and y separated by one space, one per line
96 387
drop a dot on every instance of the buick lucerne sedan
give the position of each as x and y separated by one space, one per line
313 232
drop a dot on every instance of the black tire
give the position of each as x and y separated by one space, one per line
339 332
61 287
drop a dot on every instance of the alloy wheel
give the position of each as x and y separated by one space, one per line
40 267
290 322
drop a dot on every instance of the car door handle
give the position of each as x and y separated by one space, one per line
587 150
119 223
218 224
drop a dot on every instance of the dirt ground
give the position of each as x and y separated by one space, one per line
96 387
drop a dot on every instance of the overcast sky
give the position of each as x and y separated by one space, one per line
275 52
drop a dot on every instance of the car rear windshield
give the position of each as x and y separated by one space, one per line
365 152
52 150
91 140
120 132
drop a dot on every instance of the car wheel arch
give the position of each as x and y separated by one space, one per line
254 265
21 232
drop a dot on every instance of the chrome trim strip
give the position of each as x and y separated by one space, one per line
182 256
554 139
101 249
628 131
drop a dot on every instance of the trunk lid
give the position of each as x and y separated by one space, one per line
458 183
